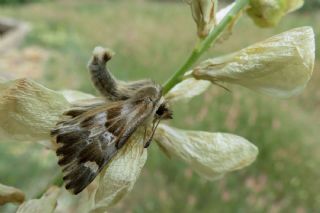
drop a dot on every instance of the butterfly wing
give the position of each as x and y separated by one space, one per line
89 138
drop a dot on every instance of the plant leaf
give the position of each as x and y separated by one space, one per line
209 154
280 66
10 194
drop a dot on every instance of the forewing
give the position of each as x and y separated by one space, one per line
89 137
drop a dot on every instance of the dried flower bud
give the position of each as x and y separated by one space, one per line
203 12
268 13
280 66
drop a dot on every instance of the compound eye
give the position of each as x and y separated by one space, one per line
163 112
160 111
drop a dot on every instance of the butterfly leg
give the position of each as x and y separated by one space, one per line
147 144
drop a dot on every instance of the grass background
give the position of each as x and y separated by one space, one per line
151 40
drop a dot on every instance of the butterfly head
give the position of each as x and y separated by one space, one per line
163 112
149 93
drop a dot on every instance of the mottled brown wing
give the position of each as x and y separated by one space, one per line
89 137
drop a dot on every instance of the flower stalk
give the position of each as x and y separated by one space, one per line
203 45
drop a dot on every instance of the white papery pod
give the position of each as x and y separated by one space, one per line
9 194
279 66
28 110
187 89
47 203
121 174
209 154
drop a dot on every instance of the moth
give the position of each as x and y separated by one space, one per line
90 135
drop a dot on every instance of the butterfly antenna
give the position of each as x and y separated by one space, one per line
154 127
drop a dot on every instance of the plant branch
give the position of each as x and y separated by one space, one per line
204 45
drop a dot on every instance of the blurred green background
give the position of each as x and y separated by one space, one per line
152 39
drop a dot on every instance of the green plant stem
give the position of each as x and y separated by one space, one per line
204 45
